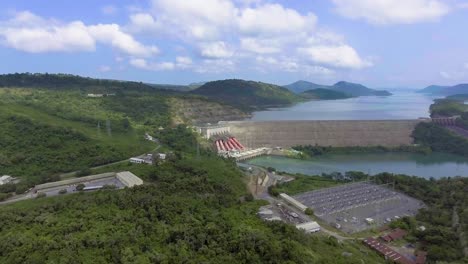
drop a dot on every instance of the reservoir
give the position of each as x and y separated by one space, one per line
435 165
401 105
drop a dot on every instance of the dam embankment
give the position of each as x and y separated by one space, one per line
346 133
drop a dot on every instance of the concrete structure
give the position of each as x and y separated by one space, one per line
213 130
309 227
49 185
249 154
5 179
293 202
389 133
129 179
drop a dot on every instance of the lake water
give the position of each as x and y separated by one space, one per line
401 105
435 165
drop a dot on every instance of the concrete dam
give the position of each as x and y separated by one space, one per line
388 133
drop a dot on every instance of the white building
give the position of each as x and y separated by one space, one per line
129 179
293 202
5 179
137 160
309 227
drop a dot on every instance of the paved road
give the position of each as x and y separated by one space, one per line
72 174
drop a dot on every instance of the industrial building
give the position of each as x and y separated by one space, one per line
146 158
386 251
129 179
293 202
309 227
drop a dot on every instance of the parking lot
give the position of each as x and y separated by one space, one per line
347 206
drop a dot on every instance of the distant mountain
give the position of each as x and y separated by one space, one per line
248 94
302 86
355 89
446 90
352 89
433 89
324 94
195 85
458 97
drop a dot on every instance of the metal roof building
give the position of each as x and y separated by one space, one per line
293 202
309 227
129 179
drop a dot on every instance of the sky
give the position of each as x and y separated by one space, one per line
379 43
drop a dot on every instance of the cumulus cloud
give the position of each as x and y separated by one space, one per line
31 33
392 11
342 56
180 63
199 19
216 50
274 19
238 31
260 46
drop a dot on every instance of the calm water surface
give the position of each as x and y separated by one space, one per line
401 105
435 165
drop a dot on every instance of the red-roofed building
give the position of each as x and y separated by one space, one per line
394 235
386 251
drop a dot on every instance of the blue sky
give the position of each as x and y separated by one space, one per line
380 43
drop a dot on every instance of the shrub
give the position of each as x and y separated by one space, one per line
80 187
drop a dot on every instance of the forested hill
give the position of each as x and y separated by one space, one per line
353 89
445 90
302 86
248 94
74 82
324 94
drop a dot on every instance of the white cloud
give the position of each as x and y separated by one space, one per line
216 50
341 56
274 19
112 35
30 33
180 63
392 11
199 19
260 46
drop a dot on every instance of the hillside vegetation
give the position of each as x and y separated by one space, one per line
193 209
324 94
352 89
248 94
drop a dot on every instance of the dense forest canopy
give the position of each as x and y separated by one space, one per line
194 208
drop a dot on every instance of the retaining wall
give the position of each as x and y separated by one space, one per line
389 133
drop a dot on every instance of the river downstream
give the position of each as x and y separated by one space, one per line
434 165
